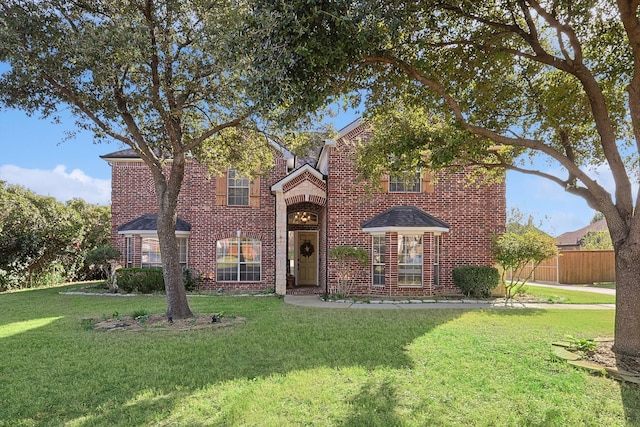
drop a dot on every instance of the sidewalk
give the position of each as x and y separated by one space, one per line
575 288
316 301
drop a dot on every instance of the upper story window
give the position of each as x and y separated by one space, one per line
237 189
405 183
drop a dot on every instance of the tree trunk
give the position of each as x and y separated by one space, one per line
627 327
167 193
177 304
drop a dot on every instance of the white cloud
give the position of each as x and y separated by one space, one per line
59 183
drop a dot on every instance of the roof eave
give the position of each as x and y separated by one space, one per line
412 230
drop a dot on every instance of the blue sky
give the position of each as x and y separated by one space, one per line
35 155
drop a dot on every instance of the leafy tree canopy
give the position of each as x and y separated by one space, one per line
492 84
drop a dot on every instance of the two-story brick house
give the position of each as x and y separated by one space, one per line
276 231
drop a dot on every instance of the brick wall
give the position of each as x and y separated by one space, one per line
473 213
133 194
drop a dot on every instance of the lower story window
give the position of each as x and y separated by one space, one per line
378 255
409 260
238 260
129 248
150 253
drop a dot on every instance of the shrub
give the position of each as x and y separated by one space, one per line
191 278
143 280
349 266
476 280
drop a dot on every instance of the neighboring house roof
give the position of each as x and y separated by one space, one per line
148 224
404 218
574 238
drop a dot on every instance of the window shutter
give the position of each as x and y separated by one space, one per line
221 190
254 193
384 183
427 182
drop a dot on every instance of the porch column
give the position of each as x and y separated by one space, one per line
281 244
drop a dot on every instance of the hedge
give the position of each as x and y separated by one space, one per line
476 280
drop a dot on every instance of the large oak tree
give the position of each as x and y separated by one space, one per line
491 84
158 76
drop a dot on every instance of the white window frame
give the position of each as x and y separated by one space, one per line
238 183
183 250
378 255
239 264
437 243
129 248
410 260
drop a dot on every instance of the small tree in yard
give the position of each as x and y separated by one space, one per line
516 252
350 260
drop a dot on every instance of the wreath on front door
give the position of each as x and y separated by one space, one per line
306 249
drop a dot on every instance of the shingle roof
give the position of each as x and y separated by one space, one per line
404 217
122 154
573 238
149 222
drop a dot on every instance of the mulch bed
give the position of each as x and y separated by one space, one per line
159 322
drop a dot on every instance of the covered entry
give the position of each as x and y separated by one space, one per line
300 231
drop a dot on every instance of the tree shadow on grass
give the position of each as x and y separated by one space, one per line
85 377
373 406
631 401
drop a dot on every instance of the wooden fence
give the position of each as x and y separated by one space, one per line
574 267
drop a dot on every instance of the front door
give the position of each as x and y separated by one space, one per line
307 254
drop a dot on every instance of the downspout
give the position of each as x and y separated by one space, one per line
275 242
326 234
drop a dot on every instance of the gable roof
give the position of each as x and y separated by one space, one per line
322 163
148 224
279 186
407 218
574 238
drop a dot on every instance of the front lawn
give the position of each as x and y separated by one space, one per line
563 296
286 365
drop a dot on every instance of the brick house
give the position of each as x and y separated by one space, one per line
276 231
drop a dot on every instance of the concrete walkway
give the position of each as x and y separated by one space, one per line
316 301
575 288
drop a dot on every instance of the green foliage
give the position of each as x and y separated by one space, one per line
597 240
141 315
349 263
476 280
519 223
99 259
582 344
43 241
142 280
345 253
192 278
516 252
596 217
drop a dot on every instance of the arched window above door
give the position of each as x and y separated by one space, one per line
303 218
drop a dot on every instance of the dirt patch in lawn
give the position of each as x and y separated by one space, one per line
159 322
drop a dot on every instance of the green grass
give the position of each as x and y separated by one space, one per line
289 365
568 296
606 285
